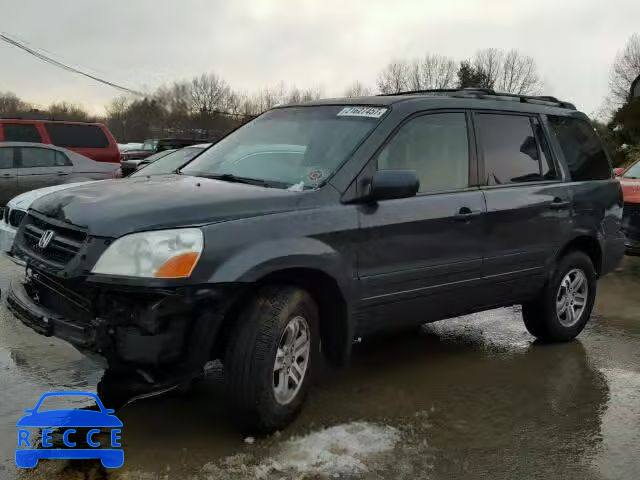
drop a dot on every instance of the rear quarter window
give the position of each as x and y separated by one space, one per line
582 149
21 132
77 136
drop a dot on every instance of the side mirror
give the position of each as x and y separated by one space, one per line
390 184
618 172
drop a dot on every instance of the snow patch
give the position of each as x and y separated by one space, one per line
337 450
334 452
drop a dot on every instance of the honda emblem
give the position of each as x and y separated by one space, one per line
45 239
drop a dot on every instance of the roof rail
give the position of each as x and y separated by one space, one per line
489 94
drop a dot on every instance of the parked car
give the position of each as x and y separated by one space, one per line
125 147
27 166
93 140
630 181
388 212
16 209
170 159
152 146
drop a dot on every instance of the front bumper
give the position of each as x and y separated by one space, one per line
166 334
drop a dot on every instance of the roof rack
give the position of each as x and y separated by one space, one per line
489 94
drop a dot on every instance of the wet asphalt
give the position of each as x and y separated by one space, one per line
472 397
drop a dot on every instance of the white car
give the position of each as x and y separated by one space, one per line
16 210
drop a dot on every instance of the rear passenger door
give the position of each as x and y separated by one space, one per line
528 205
41 167
8 175
420 257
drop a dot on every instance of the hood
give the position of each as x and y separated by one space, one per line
117 207
631 190
24 200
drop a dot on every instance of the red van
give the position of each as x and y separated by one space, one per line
93 140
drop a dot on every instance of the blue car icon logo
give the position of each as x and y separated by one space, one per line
66 421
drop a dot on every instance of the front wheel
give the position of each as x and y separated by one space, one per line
269 357
564 306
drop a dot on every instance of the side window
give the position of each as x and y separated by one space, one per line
6 158
509 148
582 149
76 135
37 157
549 170
21 132
436 146
62 160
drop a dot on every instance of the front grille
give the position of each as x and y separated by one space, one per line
63 247
15 217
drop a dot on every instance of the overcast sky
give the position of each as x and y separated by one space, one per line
309 43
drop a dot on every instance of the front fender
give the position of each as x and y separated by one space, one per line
257 261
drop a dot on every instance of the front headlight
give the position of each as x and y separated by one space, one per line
161 254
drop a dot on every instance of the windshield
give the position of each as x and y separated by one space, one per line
298 147
150 145
168 163
633 172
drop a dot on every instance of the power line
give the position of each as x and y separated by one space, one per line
5 38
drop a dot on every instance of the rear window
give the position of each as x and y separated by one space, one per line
77 136
582 149
20 132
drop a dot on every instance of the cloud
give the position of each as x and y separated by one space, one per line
253 43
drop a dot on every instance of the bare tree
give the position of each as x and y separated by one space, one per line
208 93
509 72
624 71
11 105
357 89
432 72
394 78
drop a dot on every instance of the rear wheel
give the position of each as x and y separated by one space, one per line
270 355
564 306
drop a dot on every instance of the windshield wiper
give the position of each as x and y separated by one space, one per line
229 177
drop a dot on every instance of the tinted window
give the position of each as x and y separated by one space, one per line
6 158
38 157
582 149
510 149
549 170
76 136
17 132
436 147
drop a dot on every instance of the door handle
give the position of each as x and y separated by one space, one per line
559 204
61 174
7 175
465 214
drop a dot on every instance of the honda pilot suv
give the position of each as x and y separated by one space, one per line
319 223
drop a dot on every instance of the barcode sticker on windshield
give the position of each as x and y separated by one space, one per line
370 112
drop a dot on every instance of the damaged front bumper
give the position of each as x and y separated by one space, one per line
165 335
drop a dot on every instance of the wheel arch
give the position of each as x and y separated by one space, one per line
587 244
308 264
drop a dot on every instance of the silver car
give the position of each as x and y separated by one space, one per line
28 166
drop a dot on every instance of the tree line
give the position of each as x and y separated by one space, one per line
207 107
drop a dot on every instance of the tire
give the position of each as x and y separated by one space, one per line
256 390
544 319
